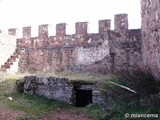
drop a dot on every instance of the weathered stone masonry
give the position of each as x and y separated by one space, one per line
50 87
111 50
62 89
107 50
150 14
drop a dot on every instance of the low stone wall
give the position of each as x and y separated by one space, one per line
50 87
59 89
82 94
98 98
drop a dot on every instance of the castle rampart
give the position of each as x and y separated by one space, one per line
115 49
107 50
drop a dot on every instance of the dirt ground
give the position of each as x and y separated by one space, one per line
8 114
66 115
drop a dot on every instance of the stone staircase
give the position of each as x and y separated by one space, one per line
11 63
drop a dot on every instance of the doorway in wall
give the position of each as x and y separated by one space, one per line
83 97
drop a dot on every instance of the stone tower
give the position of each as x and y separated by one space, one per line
150 13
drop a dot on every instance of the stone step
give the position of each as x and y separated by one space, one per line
7 66
10 61
3 70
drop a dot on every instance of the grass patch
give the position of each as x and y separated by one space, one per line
118 102
35 107
101 80
32 105
94 111
84 76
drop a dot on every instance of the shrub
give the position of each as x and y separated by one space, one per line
143 82
19 86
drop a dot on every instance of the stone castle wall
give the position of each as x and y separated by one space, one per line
151 35
108 50
105 51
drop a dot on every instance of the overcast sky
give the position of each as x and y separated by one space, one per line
21 13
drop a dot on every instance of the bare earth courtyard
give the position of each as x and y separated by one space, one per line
8 114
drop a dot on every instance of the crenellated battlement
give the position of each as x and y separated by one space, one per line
81 36
81 28
121 23
12 31
61 29
27 32
108 49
